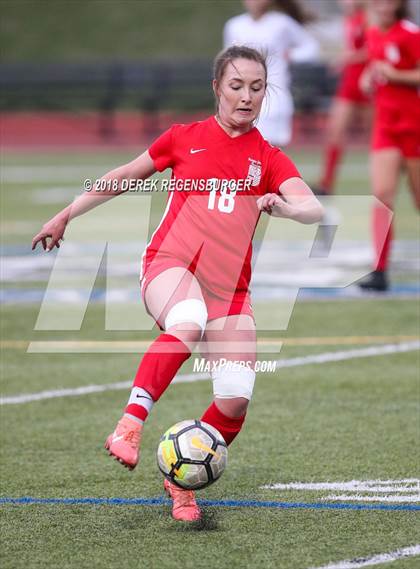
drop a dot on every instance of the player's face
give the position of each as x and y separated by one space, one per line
385 11
257 8
240 92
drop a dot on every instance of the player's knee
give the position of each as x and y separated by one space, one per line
385 196
417 200
188 317
231 382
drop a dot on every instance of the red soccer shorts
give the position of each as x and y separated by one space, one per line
217 307
407 141
397 127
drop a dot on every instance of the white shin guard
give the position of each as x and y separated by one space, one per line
231 381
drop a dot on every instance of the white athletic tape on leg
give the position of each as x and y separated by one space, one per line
229 381
187 311
139 396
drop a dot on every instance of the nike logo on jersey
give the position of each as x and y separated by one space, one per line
195 150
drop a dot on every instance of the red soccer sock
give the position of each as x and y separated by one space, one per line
156 370
227 426
332 158
382 236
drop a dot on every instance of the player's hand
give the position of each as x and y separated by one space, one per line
366 82
273 204
51 234
383 72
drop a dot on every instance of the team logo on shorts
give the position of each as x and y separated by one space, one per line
392 53
254 172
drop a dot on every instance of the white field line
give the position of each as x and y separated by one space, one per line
404 490
402 553
51 173
292 362
87 389
387 498
404 485
350 354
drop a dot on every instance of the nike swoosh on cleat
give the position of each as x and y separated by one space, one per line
195 150
118 438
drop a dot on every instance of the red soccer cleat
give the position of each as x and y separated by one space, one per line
184 506
124 442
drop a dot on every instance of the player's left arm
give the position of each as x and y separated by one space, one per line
296 202
387 73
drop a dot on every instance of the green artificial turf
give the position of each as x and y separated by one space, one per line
334 422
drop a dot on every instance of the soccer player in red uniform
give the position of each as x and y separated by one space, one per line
349 100
197 266
393 75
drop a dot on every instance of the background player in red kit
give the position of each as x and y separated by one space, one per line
196 268
393 75
349 100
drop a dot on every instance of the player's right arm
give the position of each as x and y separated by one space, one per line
138 169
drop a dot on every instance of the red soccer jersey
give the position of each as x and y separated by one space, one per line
355 36
212 229
355 30
400 47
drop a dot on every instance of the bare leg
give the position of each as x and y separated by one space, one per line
341 114
385 168
384 171
162 360
413 170
232 338
167 289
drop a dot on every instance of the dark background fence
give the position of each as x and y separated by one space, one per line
180 85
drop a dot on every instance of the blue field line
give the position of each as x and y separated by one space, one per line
28 500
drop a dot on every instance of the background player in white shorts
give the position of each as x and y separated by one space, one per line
274 27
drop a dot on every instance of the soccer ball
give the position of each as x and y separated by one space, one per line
192 454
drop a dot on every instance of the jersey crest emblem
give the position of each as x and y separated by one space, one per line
392 53
254 172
